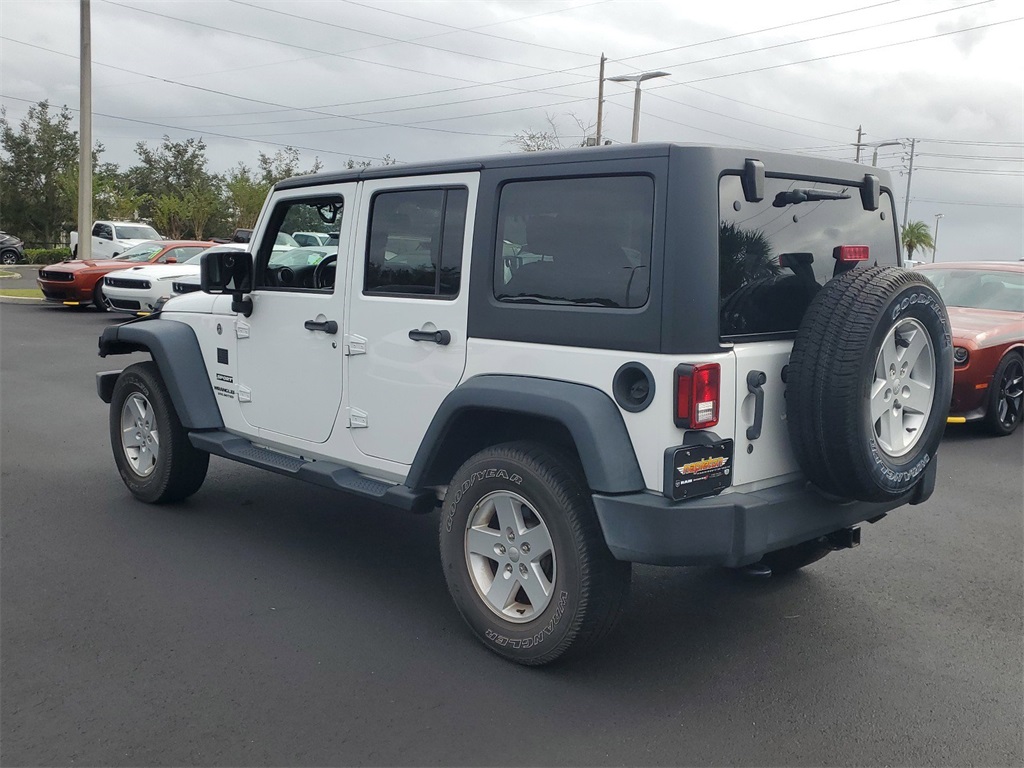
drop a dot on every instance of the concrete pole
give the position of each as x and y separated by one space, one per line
860 136
935 239
85 136
636 113
600 101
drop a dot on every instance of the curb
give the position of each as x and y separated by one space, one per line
16 299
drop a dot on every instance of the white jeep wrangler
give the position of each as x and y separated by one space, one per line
655 353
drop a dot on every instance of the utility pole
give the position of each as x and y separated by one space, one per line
860 134
85 135
910 173
600 100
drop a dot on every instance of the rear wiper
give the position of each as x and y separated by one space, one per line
802 195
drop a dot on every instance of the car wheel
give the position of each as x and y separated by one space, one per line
869 383
783 561
9 257
99 299
1006 395
151 448
524 557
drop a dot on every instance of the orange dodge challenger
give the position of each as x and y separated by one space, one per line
985 300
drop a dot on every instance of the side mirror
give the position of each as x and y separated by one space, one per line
170 260
229 272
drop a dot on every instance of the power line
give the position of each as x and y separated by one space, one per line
962 202
970 171
837 55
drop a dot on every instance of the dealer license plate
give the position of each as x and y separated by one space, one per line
701 470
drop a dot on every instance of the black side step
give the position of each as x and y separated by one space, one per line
325 473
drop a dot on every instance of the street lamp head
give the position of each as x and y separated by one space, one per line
639 78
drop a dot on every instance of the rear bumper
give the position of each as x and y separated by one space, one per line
732 529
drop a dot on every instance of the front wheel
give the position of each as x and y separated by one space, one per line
99 299
524 557
1006 396
9 257
151 447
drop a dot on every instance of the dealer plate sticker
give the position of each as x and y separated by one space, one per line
701 470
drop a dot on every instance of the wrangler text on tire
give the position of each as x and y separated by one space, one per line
151 448
869 383
524 557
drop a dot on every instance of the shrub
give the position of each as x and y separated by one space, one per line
46 255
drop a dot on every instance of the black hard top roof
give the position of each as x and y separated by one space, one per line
562 156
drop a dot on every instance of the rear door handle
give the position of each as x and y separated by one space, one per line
327 326
438 337
755 381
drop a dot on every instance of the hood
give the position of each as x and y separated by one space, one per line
163 271
76 265
984 326
132 243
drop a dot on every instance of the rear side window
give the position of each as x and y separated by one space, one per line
582 241
416 241
775 255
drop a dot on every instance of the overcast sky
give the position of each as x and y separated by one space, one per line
426 80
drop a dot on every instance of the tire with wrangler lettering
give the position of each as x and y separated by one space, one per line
524 557
869 383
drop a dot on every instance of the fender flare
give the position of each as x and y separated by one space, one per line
176 352
589 415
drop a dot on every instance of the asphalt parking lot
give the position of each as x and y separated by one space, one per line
268 622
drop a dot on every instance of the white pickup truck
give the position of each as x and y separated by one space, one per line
111 238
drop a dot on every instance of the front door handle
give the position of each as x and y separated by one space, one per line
327 326
438 337
755 381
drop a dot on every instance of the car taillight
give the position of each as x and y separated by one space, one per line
697 395
848 253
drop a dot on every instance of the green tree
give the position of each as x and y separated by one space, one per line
916 234
245 196
176 188
169 216
35 160
283 164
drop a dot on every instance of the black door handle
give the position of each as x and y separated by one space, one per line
327 326
438 337
755 380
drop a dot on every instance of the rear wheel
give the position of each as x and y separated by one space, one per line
524 557
151 448
1006 396
9 257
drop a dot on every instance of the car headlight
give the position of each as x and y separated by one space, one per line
960 355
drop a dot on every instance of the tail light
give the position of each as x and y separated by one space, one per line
698 388
848 253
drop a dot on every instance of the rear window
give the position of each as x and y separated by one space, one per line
583 241
775 255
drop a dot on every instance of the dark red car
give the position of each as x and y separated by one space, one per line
78 283
985 300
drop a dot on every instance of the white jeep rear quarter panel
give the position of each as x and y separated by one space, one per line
651 430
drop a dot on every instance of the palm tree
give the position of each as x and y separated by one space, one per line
916 234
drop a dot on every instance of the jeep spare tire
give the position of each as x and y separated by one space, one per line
869 383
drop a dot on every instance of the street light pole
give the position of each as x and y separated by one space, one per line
85 135
636 95
935 239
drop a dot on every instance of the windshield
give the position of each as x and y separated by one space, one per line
141 252
198 258
136 232
979 288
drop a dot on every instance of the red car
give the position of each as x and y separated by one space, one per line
985 300
78 283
